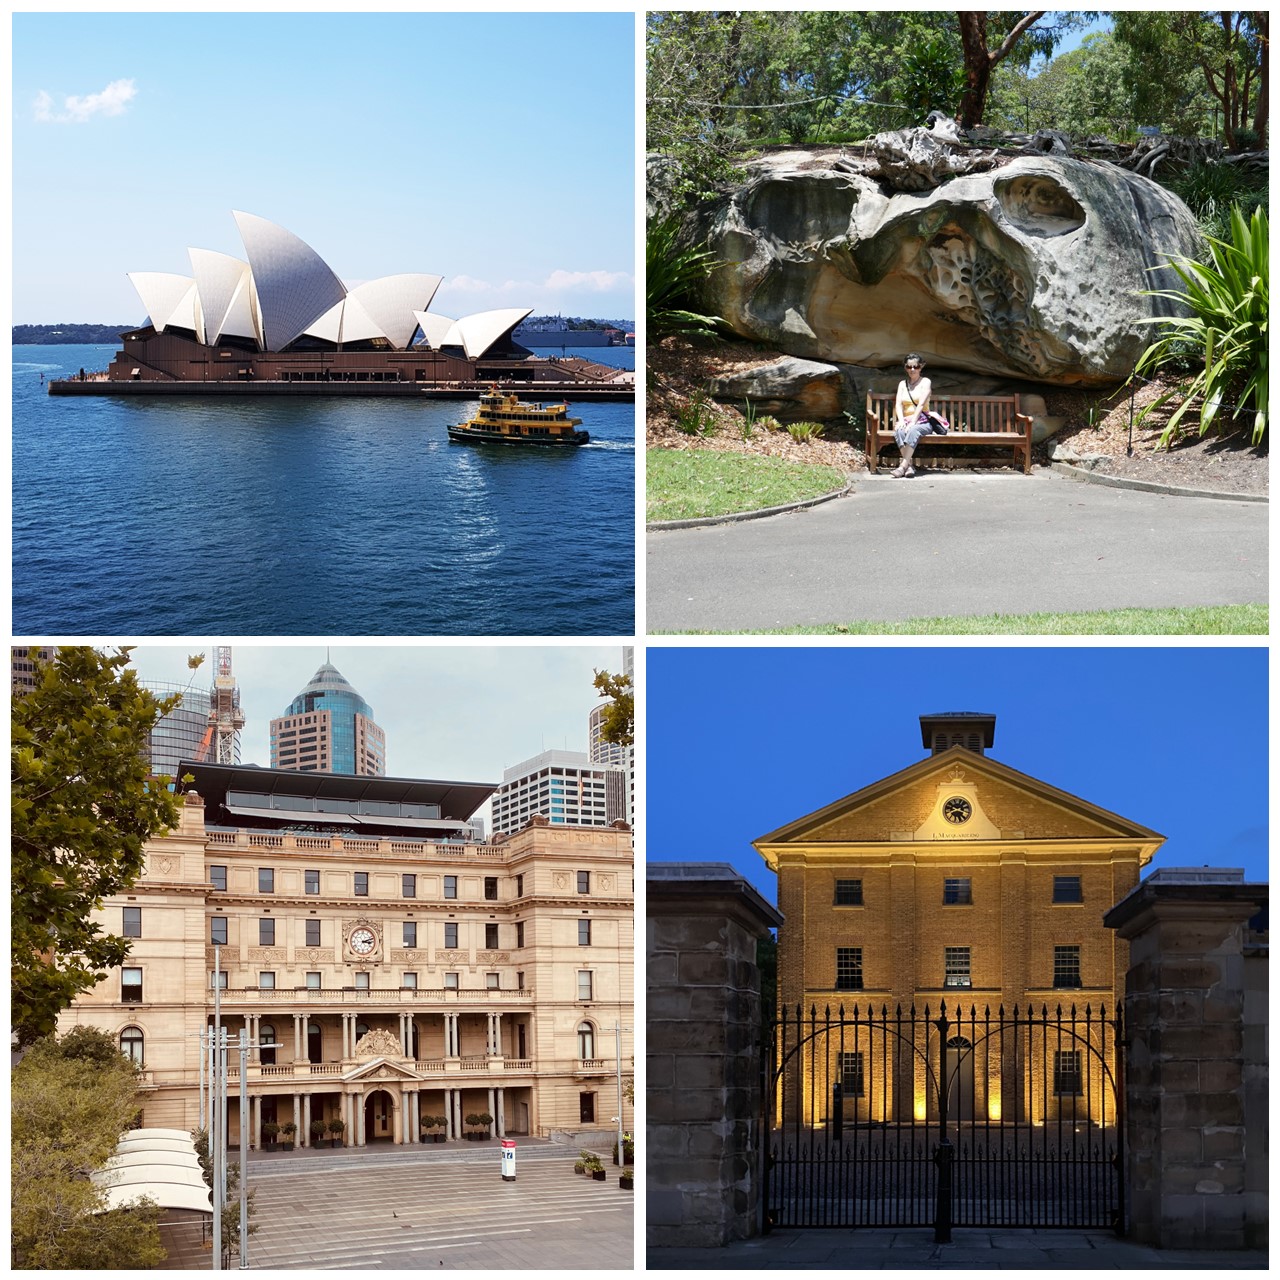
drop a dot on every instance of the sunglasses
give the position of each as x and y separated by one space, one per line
911 366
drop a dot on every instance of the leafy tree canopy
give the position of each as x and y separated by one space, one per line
619 716
82 812
70 1102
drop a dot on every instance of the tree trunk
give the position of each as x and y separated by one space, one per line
977 68
1260 108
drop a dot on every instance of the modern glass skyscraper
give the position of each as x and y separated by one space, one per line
184 733
328 728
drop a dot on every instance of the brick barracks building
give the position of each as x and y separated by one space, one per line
956 879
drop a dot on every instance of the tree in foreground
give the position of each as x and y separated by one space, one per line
71 1099
83 811
618 725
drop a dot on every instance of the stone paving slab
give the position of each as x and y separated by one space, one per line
878 1249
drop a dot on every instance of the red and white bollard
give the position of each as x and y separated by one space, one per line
508 1160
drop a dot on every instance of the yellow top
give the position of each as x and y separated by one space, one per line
909 403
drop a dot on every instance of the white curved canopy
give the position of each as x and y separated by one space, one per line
152 1155
391 303
161 292
475 334
221 280
295 285
434 328
167 1195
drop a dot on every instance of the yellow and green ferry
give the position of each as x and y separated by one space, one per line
505 419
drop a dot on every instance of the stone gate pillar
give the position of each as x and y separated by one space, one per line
1196 1073
704 1028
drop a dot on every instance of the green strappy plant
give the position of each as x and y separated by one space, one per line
674 276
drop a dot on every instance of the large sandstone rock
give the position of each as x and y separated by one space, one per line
1031 270
790 389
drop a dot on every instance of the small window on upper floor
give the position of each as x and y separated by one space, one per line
132 922
311 881
957 892
451 886
409 886
584 881
1067 889
362 884
491 888
266 880
491 937
848 893
218 878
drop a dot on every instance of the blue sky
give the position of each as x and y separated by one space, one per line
743 740
496 150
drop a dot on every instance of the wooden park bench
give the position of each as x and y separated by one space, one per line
975 420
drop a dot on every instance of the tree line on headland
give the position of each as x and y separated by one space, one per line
67 334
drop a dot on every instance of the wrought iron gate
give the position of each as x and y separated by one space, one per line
977 1119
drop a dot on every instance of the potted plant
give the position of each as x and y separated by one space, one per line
628 1150
595 1168
579 1165
288 1132
270 1129
433 1127
318 1128
485 1120
337 1127
473 1124
627 1179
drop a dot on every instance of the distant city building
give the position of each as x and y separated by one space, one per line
24 663
328 728
183 733
564 787
602 752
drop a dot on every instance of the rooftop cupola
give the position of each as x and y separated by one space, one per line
973 730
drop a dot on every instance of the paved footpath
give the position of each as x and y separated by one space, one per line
957 543
883 1248
419 1207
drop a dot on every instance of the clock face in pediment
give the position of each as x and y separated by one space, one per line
956 809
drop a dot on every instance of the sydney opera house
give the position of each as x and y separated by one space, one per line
283 322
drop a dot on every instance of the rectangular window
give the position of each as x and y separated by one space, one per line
451 936
266 981
520 886
848 893
848 968
519 933
362 982
585 984
584 933
218 931
311 881
520 980
266 880
956 960
490 936
218 878
313 982
451 982
219 980
410 982
851 1081
132 922
362 884
266 933
131 985
313 933
584 881
491 981
408 886
491 888
1066 966
410 934
1066 1072
957 892
1067 889
451 886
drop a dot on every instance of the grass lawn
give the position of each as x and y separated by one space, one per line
687 485
1217 620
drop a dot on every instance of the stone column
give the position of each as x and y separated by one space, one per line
305 1132
297 1118
704 1131
497 1035
499 1118
304 1051
358 1103
297 1037
1195 1123
492 1109
415 1121
255 1020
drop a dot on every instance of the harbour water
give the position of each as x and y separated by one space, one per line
255 517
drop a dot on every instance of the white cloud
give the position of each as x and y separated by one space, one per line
587 281
112 101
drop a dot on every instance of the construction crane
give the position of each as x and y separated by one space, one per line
225 717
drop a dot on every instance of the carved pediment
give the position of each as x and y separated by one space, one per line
378 1043
380 1069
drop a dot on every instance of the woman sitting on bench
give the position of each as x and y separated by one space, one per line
910 420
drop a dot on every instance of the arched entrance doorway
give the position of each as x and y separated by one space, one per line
379 1117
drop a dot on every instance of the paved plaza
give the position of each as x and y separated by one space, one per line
885 1248
418 1207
